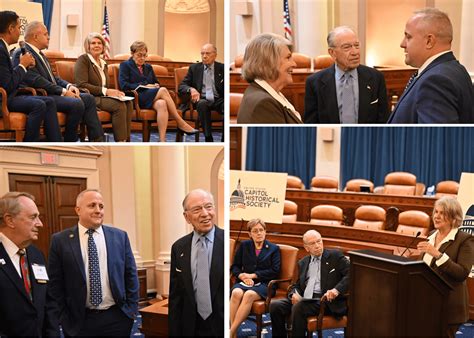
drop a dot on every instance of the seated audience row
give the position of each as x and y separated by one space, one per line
323 275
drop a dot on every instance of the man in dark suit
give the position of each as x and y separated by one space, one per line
37 108
346 92
204 86
78 106
441 90
196 297
93 278
323 272
23 276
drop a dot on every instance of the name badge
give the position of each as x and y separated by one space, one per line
41 275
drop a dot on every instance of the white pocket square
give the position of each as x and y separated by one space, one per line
178 270
374 102
332 270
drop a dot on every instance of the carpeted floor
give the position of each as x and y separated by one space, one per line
170 137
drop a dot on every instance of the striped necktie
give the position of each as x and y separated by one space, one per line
25 273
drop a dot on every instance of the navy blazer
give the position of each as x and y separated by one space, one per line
182 308
334 274
266 265
320 100
19 315
130 77
38 76
442 93
10 77
67 287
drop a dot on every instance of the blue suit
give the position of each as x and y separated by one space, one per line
19 315
37 108
67 287
76 109
442 93
266 265
130 78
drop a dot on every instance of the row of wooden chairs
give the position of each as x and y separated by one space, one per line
288 261
55 54
396 183
301 60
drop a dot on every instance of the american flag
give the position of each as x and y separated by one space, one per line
287 21
106 33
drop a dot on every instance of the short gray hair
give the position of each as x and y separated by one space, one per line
436 22
9 203
201 191
89 38
309 233
138 45
334 32
254 222
262 57
451 209
31 29
83 192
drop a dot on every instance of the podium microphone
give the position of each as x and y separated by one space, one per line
22 47
410 244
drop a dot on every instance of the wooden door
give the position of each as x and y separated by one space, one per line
55 198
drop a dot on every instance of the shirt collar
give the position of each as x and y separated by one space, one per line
277 96
6 44
83 230
102 62
37 51
340 73
450 237
429 60
209 235
210 66
10 247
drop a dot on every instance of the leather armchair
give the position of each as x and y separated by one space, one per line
325 214
370 217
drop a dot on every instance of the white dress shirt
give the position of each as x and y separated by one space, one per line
99 239
12 251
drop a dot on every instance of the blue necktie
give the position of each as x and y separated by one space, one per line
348 100
203 287
309 290
94 271
208 84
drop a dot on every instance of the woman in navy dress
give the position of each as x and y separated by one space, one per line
135 72
256 263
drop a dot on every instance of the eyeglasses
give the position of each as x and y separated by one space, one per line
319 241
206 53
141 55
197 210
257 231
348 46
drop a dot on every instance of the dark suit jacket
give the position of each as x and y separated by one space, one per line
10 77
19 316
130 77
182 306
266 265
455 271
38 76
258 106
193 79
87 75
334 274
442 93
67 287
320 101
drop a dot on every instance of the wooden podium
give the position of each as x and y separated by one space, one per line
394 296
155 319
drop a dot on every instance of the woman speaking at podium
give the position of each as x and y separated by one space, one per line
450 252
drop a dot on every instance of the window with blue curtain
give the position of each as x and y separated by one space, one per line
433 154
47 11
282 149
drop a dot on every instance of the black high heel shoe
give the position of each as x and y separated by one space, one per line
193 132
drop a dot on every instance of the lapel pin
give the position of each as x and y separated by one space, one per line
266 246
182 254
2 261
368 87
71 235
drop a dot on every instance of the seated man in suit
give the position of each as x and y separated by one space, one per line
441 90
196 297
204 86
38 109
23 276
322 272
346 92
77 106
93 287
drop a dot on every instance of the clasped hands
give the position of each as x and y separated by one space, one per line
247 278
428 248
330 295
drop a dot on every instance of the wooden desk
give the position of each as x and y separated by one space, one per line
395 81
349 201
155 319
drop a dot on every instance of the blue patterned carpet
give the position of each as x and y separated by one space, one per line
248 329
170 137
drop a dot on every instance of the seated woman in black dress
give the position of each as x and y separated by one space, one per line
256 262
135 72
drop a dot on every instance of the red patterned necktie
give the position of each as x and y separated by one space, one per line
25 273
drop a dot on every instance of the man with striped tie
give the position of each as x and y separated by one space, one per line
23 276
93 278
